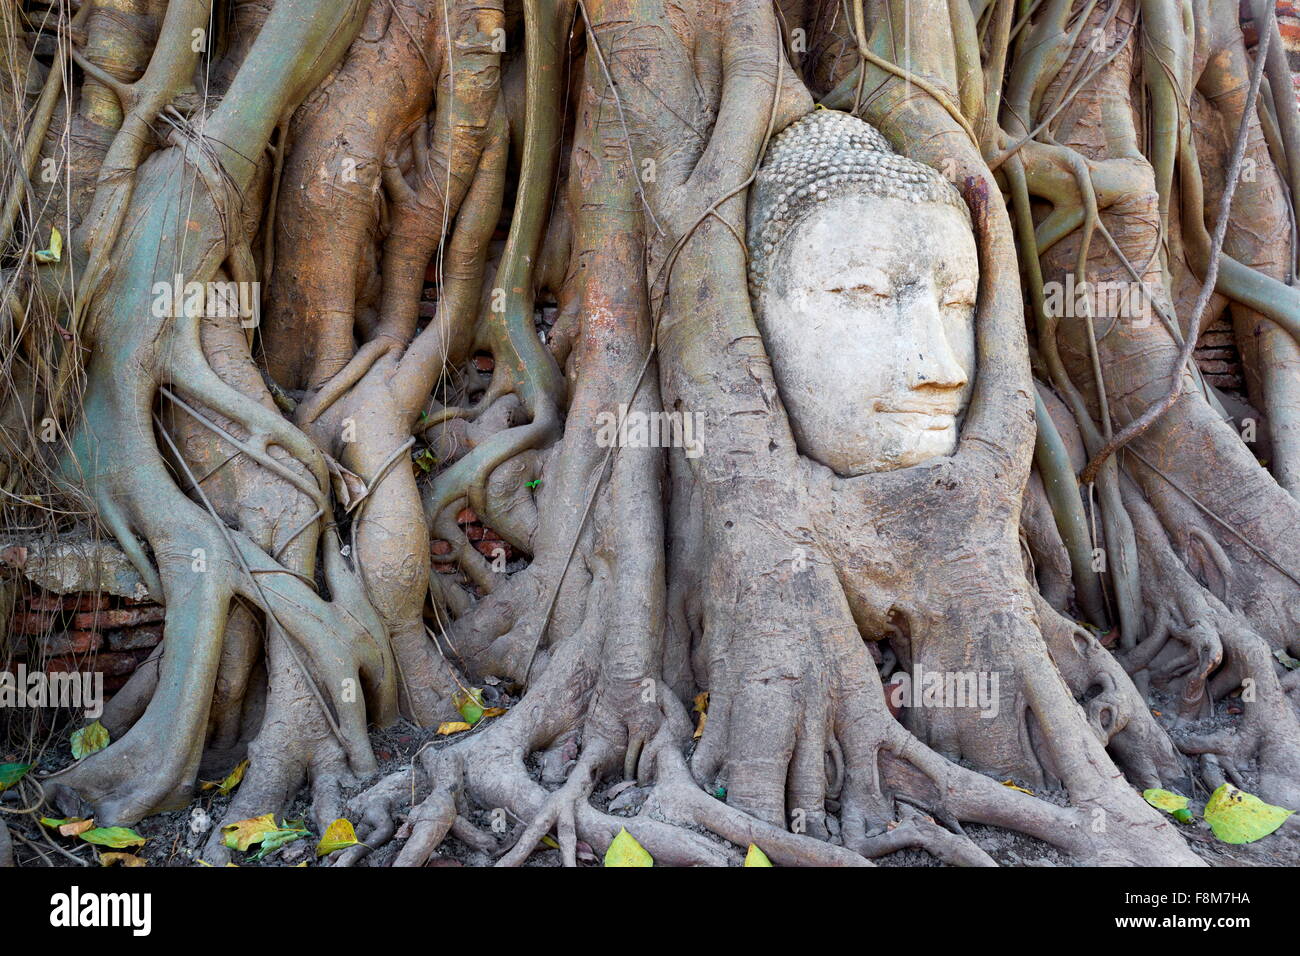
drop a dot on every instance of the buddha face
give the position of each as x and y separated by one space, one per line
868 317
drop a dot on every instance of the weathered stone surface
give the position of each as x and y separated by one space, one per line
70 564
865 297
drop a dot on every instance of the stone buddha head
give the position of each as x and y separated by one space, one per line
863 273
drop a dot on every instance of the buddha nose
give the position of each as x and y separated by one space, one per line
932 363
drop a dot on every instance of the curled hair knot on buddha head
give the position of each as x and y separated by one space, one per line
822 155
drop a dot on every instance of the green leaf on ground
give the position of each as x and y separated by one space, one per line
11 773
276 839
89 739
469 702
1240 817
116 837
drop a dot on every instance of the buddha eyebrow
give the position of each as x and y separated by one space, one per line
869 286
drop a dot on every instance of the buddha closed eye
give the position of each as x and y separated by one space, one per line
864 290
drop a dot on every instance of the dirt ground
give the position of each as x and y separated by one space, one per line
173 841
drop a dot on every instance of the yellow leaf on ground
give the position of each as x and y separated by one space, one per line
55 252
1165 800
89 739
756 857
702 708
1239 817
243 834
338 836
494 712
452 727
126 859
231 781
625 851
1010 785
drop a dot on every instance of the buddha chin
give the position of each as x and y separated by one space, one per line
866 305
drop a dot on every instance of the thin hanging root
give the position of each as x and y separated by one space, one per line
1119 535
1053 463
510 333
35 135
1149 417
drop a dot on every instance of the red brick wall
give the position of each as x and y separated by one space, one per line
82 632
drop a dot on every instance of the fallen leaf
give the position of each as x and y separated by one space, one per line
625 851
702 708
55 252
494 711
1289 662
1012 786
338 835
76 827
1239 817
756 857
469 701
116 837
11 773
274 840
244 833
1165 800
231 781
426 460
89 739
452 727
549 841
126 859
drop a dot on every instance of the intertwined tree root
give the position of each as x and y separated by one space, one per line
270 485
